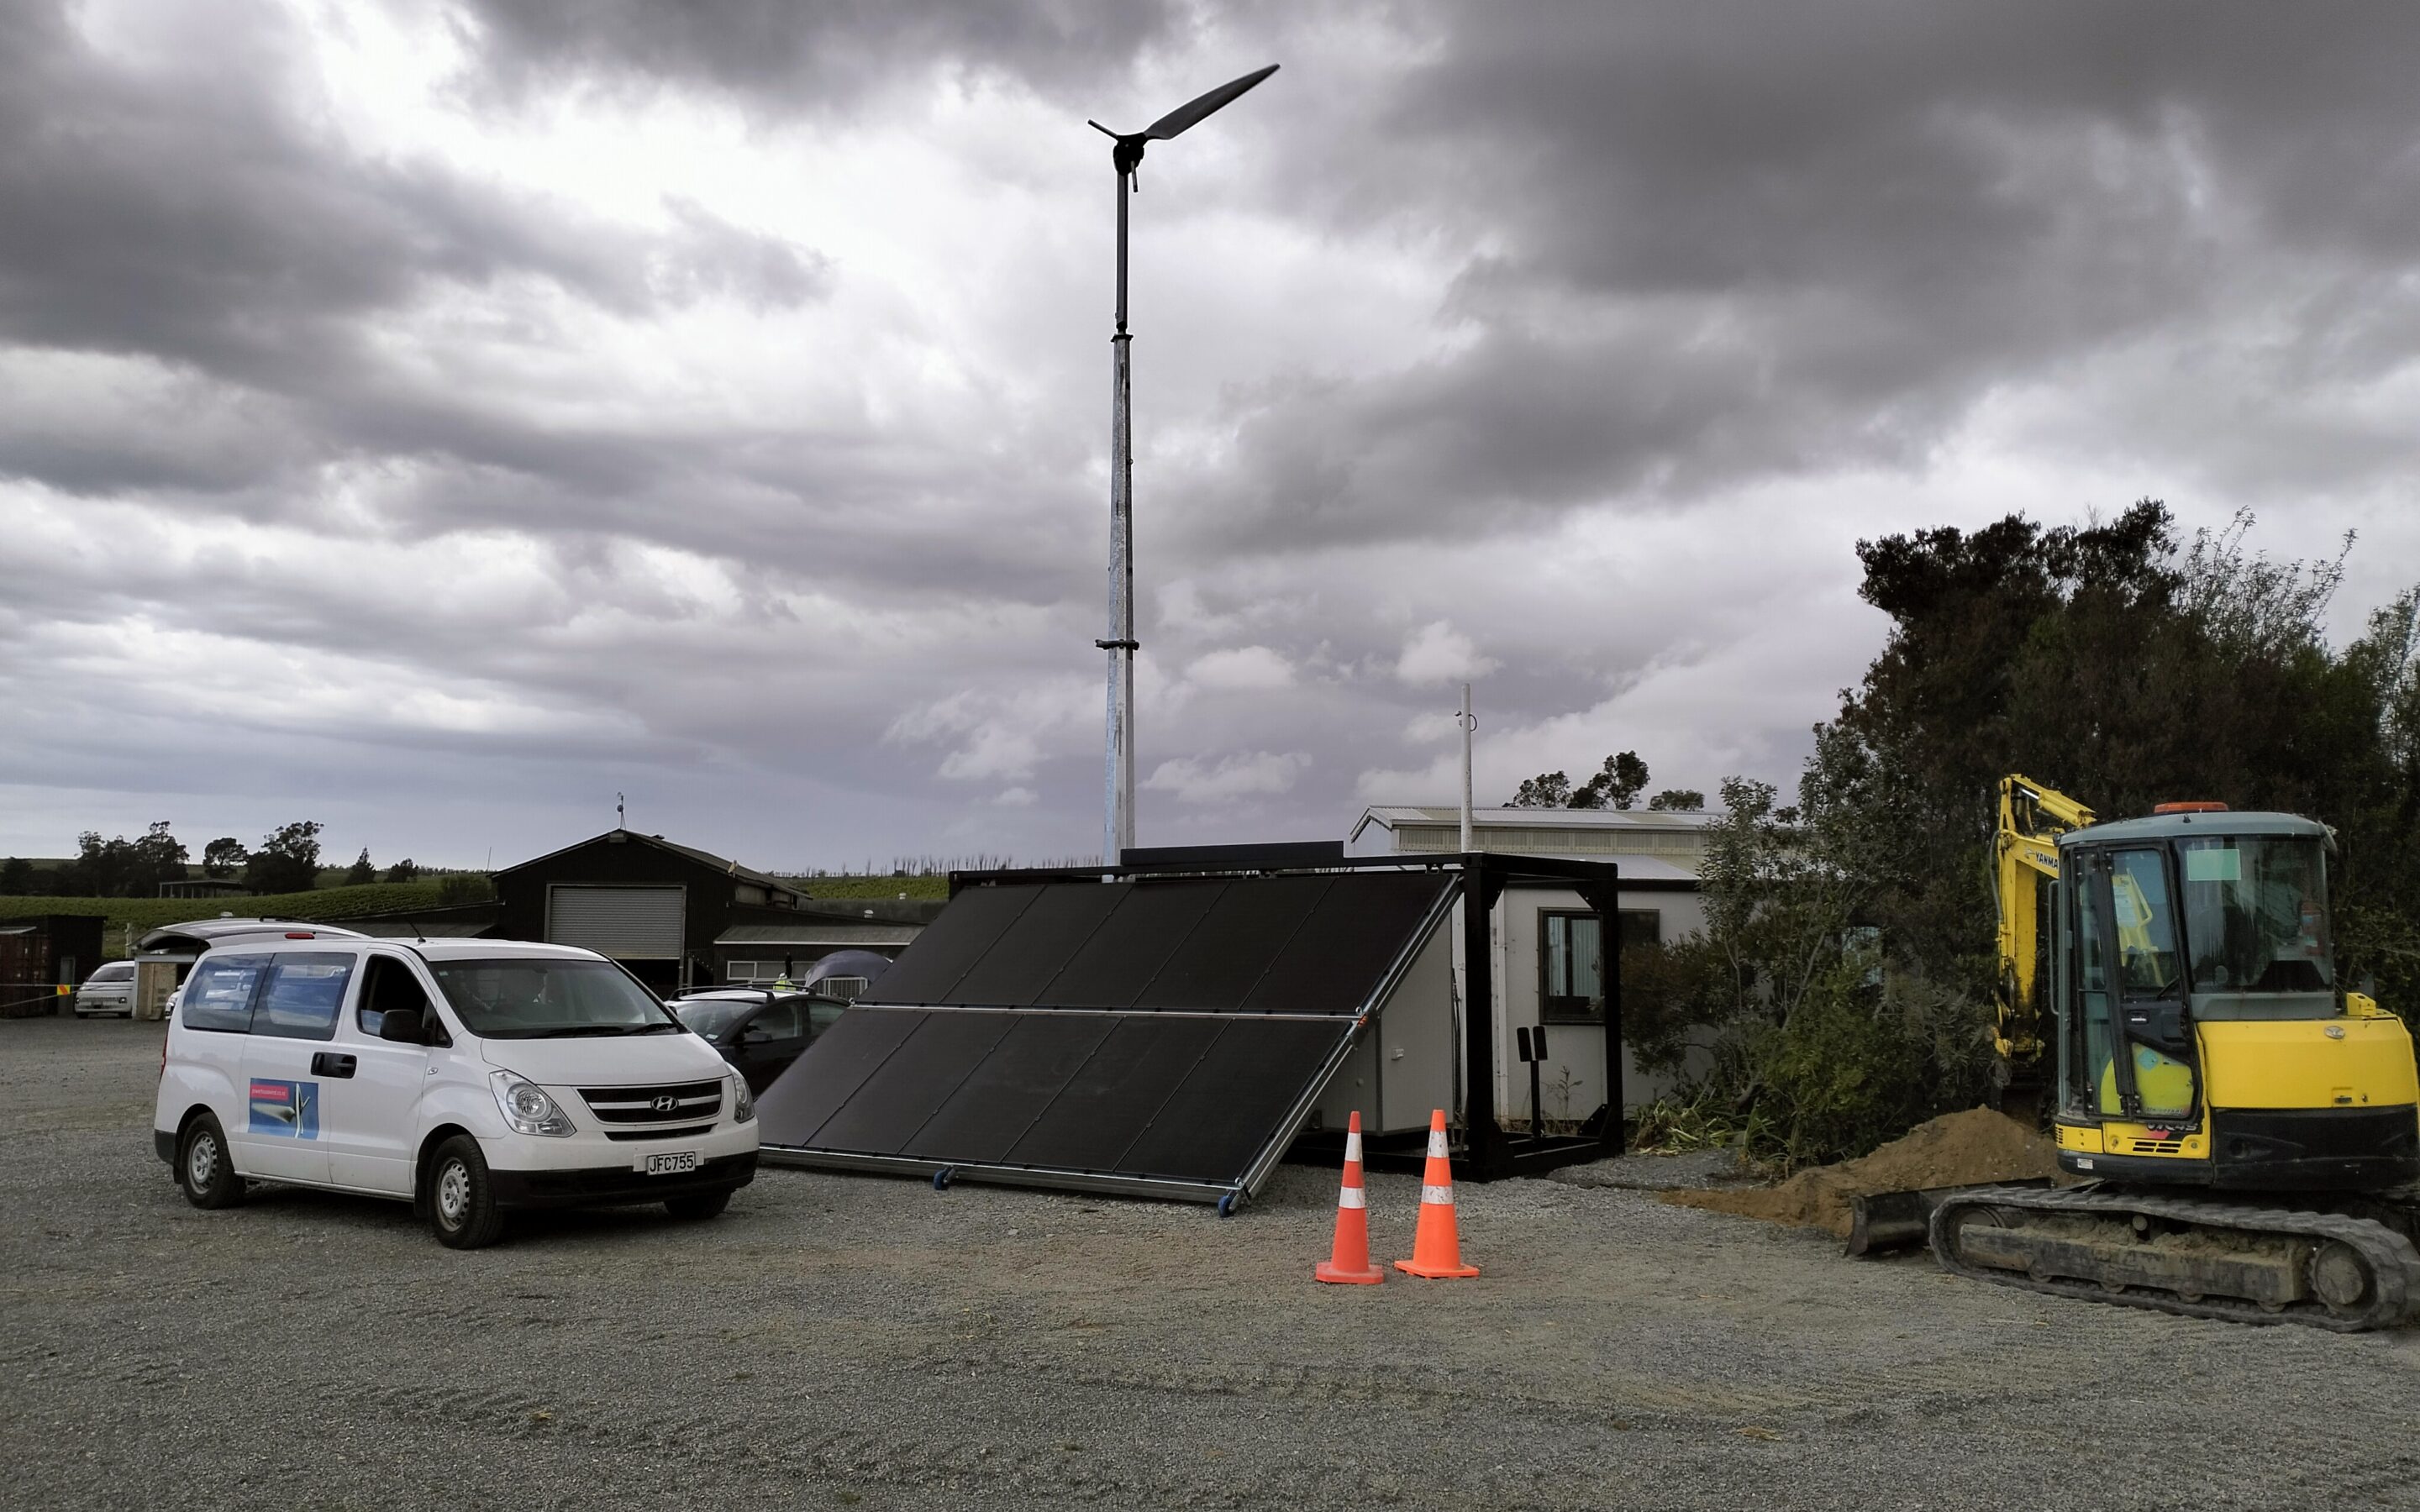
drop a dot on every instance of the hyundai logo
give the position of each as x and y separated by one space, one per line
665 1103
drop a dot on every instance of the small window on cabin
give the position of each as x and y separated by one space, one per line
1569 945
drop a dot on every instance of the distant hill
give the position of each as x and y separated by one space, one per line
139 916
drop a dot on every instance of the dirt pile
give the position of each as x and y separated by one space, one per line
1955 1149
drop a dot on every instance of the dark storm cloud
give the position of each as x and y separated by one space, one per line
1712 242
816 59
202 223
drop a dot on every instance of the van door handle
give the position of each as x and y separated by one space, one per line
328 1064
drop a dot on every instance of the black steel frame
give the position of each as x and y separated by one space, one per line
1487 1150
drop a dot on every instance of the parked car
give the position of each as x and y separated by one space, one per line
759 1030
109 990
468 1077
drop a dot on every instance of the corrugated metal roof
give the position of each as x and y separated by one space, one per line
819 931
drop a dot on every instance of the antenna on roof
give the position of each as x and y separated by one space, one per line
621 819
1469 722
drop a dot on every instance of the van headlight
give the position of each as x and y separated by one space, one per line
743 1104
526 1107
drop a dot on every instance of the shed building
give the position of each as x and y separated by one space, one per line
655 906
1545 939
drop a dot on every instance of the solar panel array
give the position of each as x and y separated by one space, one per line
1153 1030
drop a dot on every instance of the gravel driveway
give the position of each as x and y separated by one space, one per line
843 1341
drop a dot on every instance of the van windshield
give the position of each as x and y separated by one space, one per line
532 998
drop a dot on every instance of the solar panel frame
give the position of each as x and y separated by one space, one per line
1163 1036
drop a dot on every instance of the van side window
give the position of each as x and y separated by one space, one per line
304 992
218 995
389 984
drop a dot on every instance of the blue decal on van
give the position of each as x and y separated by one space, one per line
289 1108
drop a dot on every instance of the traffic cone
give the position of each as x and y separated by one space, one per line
1436 1248
1349 1262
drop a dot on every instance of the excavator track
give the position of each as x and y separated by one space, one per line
2178 1254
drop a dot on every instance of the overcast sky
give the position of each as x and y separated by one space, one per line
433 420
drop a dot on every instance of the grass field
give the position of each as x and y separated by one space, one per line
873 887
145 914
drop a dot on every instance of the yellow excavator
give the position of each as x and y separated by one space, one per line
2246 1131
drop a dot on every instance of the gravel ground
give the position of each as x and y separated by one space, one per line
843 1341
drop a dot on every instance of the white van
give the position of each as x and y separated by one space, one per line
109 990
469 1078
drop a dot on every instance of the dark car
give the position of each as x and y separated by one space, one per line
760 1030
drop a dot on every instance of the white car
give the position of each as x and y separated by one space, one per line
109 990
468 1077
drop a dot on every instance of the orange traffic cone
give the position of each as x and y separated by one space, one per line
1436 1248
1349 1262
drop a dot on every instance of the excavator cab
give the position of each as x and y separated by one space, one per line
2202 1040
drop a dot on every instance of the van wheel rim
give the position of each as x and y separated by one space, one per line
453 1193
201 1161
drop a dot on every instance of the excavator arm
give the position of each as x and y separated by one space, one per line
2024 862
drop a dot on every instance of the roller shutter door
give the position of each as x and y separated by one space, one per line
626 923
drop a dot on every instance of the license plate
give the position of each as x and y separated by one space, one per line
671 1163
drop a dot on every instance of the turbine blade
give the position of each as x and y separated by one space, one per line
1192 112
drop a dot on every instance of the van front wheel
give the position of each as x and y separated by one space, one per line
204 1172
462 1208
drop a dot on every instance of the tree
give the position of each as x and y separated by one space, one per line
362 872
1547 790
16 876
224 858
403 871
122 868
1615 785
1677 800
288 860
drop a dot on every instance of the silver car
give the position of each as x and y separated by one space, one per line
109 990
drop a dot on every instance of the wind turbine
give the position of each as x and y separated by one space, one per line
1118 828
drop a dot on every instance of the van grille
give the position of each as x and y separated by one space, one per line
681 1102
681 1133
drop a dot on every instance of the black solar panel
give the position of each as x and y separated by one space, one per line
842 1059
1115 966
1216 966
1222 1113
1022 961
1336 960
946 948
885 1114
1112 1097
1014 1087
1087 1032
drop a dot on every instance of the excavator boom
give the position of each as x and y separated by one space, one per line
2024 863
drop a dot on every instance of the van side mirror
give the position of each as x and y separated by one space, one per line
402 1026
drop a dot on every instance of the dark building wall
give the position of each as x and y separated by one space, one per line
711 894
61 948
